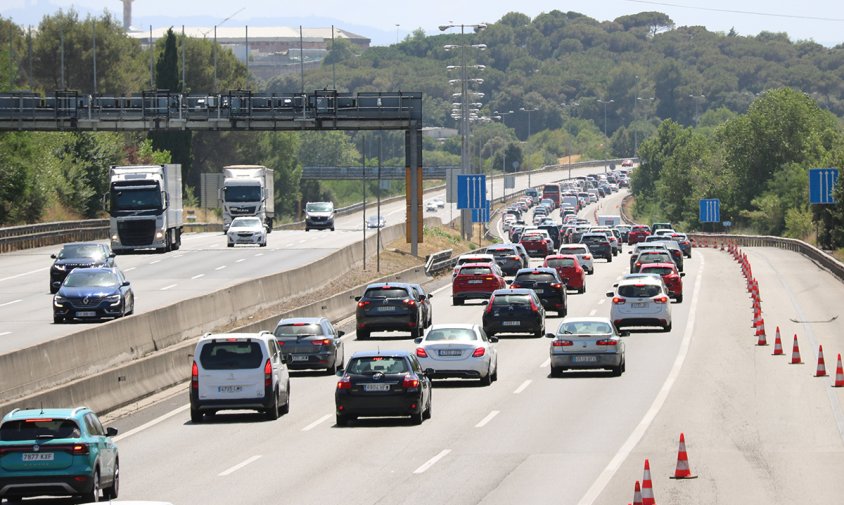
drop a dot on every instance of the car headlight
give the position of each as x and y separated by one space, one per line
60 268
114 299
58 300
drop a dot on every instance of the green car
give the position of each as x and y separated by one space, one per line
57 452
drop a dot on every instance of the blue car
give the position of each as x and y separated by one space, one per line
93 294
57 452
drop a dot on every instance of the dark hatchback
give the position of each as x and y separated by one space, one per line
310 343
93 294
547 285
388 307
514 311
598 244
507 257
78 255
383 383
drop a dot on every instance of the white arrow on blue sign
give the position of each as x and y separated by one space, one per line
822 182
481 215
471 191
710 210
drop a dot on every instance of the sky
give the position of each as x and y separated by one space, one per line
382 21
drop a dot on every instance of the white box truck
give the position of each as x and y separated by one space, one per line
145 205
609 221
248 190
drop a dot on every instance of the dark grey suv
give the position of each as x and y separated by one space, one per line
309 343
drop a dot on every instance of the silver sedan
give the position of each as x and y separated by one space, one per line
586 343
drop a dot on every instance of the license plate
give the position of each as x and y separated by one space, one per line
476 281
388 308
299 357
38 456
86 313
376 387
510 323
640 305
585 359
450 352
538 291
229 389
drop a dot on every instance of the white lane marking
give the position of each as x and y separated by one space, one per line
197 276
2 334
178 256
240 260
302 241
10 303
602 301
522 387
220 267
624 451
129 269
259 254
431 462
593 312
21 275
289 245
150 424
165 288
239 466
316 423
154 262
483 422
545 363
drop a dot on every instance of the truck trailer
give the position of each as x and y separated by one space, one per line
248 190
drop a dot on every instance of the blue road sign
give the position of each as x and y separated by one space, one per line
710 210
822 182
471 191
481 215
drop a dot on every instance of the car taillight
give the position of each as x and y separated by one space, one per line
661 299
268 373
607 341
344 383
533 306
587 257
479 352
618 301
515 285
562 343
488 308
409 382
79 449
515 257
194 376
322 341
409 302
421 353
556 285
363 304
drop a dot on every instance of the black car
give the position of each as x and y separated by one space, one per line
598 244
554 231
508 257
649 256
424 301
309 343
93 294
388 306
78 255
383 383
547 285
514 311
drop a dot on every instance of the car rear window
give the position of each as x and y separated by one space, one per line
451 334
40 428
575 250
298 330
385 293
475 271
657 270
506 300
555 263
542 277
531 238
638 290
502 252
585 328
375 364
231 355
594 240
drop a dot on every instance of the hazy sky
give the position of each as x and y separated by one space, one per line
819 20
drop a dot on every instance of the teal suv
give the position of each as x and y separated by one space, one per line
57 452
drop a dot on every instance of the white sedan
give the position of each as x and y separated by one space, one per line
247 230
458 351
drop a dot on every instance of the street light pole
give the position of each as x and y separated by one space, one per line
605 102
523 109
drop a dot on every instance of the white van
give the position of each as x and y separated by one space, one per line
609 221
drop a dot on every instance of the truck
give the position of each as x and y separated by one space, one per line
248 190
145 207
609 221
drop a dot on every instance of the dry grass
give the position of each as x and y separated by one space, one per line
565 159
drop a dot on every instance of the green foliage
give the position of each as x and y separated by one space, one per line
798 223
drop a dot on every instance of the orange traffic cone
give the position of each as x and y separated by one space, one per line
647 486
839 374
682 471
821 365
757 318
637 494
763 340
795 353
761 329
778 344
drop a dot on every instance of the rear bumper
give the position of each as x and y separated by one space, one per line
626 322
379 405
585 361
404 322
259 403
471 295
309 361
49 485
526 325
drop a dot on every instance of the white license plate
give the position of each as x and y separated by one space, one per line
86 313
476 281
229 389
510 323
38 456
388 308
299 357
585 359
639 305
450 352
376 387
537 291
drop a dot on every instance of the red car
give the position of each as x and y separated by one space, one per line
476 281
638 234
670 276
570 271
537 246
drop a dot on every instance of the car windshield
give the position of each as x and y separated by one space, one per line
231 355
541 277
136 199
377 364
508 300
451 334
654 257
248 222
657 270
475 271
38 428
242 193
92 251
83 278
638 290
585 328
560 262
319 207
385 292
298 330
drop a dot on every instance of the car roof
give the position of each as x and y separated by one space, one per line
305 320
388 353
387 284
93 270
586 319
263 335
83 243
496 247
512 291
45 413
475 265
639 280
530 270
465 326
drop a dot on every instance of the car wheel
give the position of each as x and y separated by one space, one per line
457 301
582 290
307 229
332 228
110 493
623 366
680 299
486 380
562 313
495 373
342 420
263 244
415 333
230 244
94 494
539 333
556 371
285 409
427 413
53 290
609 258
195 416
417 418
616 371
58 320
667 328
272 412
363 335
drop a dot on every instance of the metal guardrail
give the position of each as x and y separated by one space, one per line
437 257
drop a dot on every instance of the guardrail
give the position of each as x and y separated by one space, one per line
437 257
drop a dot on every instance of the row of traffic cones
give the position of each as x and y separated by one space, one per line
644 494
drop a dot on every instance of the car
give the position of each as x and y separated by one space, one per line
376 221
641 302
424 301
638 234
507 257
78 255
553 232
672 246
458 351
587 343
615 245
649 256
57 452
388 306
584 256
319 216
547 284
383 383
93 294
247 230
475 281
685 243
570 271
514 310
236 371
438 201
623 230
627 163
309 343
431 206
655 227
472 258
670 276
599 245
537 245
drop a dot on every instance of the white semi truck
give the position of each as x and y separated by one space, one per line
248 190
145 205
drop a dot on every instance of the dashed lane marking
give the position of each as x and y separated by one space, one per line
197 276
522 387
316 423
165 288
489 417
239 466
431 462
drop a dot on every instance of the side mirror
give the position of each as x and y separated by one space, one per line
126 283
111 432
494 340
550 335
682 274
508 281
430 296
624 333
340 333
53 256
340 373
609 294
357 298
615 285
417 340
111 255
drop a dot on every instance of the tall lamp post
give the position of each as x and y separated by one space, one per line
528 110
500 116
605 102
572 106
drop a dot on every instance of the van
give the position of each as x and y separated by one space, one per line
609 221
